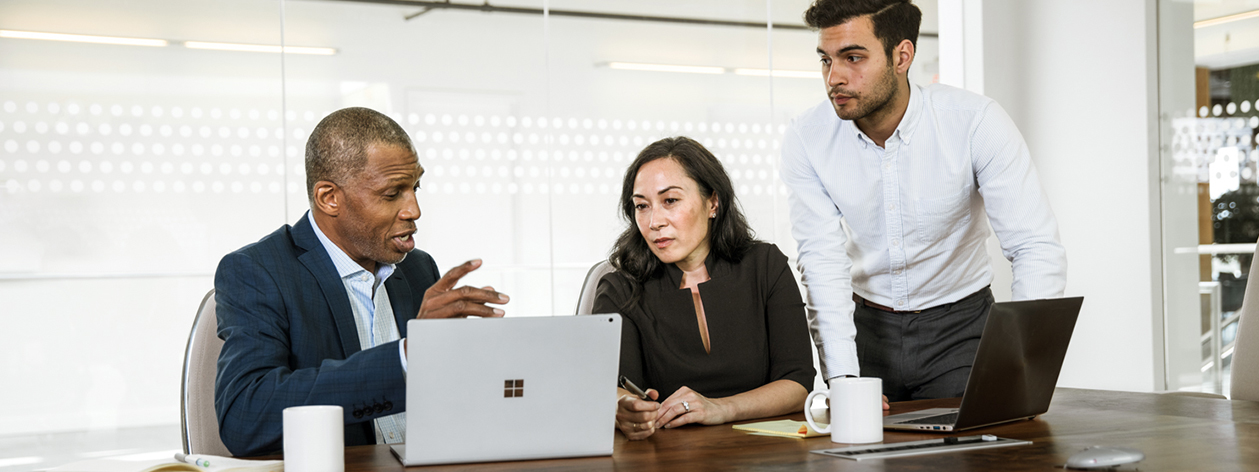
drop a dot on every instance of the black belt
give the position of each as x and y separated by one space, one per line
862 301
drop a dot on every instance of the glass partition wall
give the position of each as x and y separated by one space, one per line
141 140
130 162
1209 76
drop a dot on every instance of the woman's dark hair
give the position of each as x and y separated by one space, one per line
894 20
729 236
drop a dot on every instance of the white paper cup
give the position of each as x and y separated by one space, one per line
856 410
314 439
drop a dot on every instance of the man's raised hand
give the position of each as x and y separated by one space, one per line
444 300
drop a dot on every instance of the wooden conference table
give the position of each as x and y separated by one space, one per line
1175 432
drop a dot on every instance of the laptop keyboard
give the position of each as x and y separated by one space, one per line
947 418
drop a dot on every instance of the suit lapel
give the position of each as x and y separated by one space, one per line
320 265
400 299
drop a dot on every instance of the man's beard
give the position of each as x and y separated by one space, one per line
373 249
359 236
868 104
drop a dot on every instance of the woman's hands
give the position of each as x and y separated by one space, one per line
639 419
687 406
636 418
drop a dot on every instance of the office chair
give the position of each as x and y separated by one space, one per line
200 425
1246 344
586 303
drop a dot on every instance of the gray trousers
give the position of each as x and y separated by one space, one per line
922 355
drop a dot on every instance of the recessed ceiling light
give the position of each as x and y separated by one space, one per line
796 74
82 38
1226 19
260 48
666 68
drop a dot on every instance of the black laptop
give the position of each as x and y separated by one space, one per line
1016 368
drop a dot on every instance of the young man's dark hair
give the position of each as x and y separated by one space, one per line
894 20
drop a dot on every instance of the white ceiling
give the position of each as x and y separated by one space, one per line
1225 45
1208 9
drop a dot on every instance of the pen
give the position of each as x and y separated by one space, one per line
625 383
192 459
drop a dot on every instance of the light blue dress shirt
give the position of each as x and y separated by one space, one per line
905 225
373 316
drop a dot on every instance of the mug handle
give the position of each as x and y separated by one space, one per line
808 412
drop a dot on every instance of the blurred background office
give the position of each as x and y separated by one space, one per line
140 140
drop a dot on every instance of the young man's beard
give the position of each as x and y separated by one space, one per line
876 100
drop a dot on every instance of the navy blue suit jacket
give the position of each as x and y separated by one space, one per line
290 339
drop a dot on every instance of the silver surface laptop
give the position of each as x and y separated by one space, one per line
1015 370
501 389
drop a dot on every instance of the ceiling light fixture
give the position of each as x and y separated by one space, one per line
1226 19
666 68
83 38
259 48
795 74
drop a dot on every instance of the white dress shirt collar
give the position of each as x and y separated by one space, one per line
346 267
905 129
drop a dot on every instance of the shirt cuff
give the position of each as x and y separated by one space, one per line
840 359
402 353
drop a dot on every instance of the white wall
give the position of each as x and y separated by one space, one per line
1082 89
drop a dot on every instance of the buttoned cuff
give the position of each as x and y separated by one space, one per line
840 359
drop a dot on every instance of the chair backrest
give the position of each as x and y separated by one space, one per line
200 425
1246 344
586 302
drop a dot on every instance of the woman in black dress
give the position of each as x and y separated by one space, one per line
713 320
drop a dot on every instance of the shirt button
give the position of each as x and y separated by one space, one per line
900 302
896 243
887 166
891 206
896 272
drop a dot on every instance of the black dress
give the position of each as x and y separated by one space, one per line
756 327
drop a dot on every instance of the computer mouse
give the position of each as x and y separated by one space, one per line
1104 456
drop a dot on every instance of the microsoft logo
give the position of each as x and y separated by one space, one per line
513 388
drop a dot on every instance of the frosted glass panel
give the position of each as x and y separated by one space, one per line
474 105
126 172
613 94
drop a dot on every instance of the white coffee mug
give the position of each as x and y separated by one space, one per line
314 439
856 410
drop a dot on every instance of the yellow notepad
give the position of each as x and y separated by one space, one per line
781 428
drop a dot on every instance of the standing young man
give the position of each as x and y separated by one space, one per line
892 189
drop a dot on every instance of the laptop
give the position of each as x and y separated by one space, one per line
502 389
1016 368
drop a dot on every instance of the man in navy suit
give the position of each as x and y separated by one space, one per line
316 313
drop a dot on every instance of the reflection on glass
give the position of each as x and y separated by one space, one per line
1209 170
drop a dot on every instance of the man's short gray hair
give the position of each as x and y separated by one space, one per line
337 148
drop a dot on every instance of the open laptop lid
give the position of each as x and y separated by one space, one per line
1018 361
498 389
